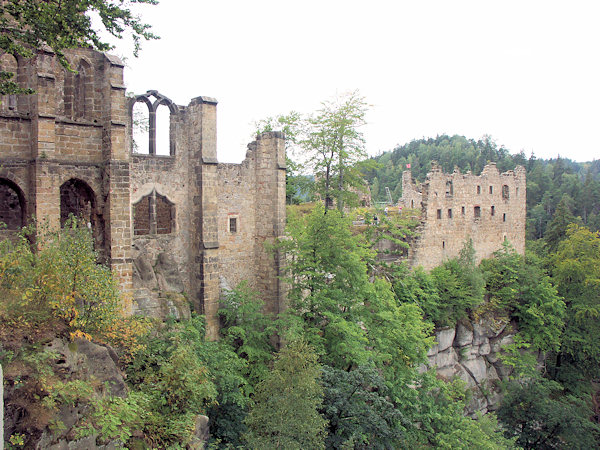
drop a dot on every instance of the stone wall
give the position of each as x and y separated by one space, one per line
489 209
69 148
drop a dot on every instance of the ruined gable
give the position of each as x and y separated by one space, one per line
488 208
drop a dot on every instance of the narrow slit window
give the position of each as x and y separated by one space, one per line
478 189
439 213
443 244
491 189
449 213
493 210
462 210
504 217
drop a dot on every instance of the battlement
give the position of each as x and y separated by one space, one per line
488 208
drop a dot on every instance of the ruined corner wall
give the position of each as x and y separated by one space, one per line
489 209
251 216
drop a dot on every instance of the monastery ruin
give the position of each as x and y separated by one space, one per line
489 209
173 225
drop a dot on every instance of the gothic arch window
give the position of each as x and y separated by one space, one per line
12 205
77 199
79 91
152 126
8 63
153 214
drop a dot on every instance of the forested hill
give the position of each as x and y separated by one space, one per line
548 180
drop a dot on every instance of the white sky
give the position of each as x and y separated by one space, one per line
526 72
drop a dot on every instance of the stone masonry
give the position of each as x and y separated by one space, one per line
489 209
175 226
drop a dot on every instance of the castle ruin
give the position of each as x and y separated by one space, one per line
173 224
488 209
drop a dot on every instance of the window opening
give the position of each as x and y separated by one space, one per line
158 127
477 211
505 192
491 189
443 244
163 123
8 63
140 123
493 210
449 213
412 203
504 217
462 210
449 189
233 224
478 189
12 211
439 213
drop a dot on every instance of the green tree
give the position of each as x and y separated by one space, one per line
285 414
557 228
575 269
26 25
330 145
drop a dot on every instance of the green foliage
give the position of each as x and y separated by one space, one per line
358 410
329 285
329 145
248 330
460 284
178 385
61 24
61 281
576 271
285 415
519 286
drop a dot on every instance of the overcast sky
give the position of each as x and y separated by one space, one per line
525 72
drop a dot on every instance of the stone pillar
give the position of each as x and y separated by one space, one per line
270 217
45 194
201 120
117 213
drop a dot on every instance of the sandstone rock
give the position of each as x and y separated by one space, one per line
445 338
145 271
168 273
201 433
476 368
464 336
85 359
446 358
484 349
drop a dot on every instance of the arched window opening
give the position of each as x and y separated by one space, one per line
153 214
140 128
163 130
141 216
12 208
78 200
158 127
8 63
449 189
78 91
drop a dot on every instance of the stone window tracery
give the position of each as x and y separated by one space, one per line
152 124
